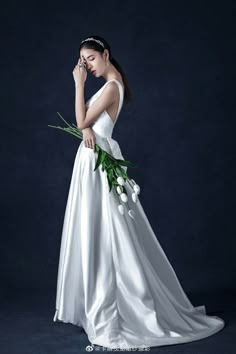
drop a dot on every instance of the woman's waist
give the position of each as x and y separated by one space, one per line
108 144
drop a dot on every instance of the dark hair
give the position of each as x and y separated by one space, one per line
90 44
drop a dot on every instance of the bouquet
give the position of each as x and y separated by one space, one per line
116 175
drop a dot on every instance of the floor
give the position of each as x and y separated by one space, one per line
26 327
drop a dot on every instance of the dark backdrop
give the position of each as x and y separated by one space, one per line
179 129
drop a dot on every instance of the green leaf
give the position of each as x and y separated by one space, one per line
103 155
98 159
110 185
110 172
121 172
103 165
126 163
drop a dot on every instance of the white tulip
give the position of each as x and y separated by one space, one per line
134 197
120 180
136 188
131 213
121 209
124 197
119 190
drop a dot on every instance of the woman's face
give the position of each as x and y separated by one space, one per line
95 64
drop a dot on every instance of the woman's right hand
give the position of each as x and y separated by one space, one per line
89 138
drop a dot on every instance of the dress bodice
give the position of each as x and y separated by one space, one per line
103 126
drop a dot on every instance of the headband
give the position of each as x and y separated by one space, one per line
93 39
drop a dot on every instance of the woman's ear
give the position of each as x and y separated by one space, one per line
106 54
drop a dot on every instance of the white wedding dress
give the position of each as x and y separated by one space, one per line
114 279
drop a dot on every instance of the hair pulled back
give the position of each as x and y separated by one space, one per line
91 44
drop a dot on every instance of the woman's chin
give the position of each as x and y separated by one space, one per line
96 74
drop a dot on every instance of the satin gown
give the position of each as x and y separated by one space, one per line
114 279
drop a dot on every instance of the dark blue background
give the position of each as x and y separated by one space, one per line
179 129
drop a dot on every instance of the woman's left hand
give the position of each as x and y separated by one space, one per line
80 73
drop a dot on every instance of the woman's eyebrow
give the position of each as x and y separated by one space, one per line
87 57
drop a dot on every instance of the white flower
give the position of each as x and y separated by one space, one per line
131 213
119 190
124 197
136 188
134 197
120 180
121 209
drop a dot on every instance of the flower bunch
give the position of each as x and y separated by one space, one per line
116 175
121 191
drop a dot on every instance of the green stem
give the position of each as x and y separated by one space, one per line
65 129
64 120
73 132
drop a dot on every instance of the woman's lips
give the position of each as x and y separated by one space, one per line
94 72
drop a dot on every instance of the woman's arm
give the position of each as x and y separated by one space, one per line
103 102
80 111
89 137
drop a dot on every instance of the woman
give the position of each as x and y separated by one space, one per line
114 279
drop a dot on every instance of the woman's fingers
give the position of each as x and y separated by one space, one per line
90 143
93 144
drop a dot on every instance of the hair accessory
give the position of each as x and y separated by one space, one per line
93 39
